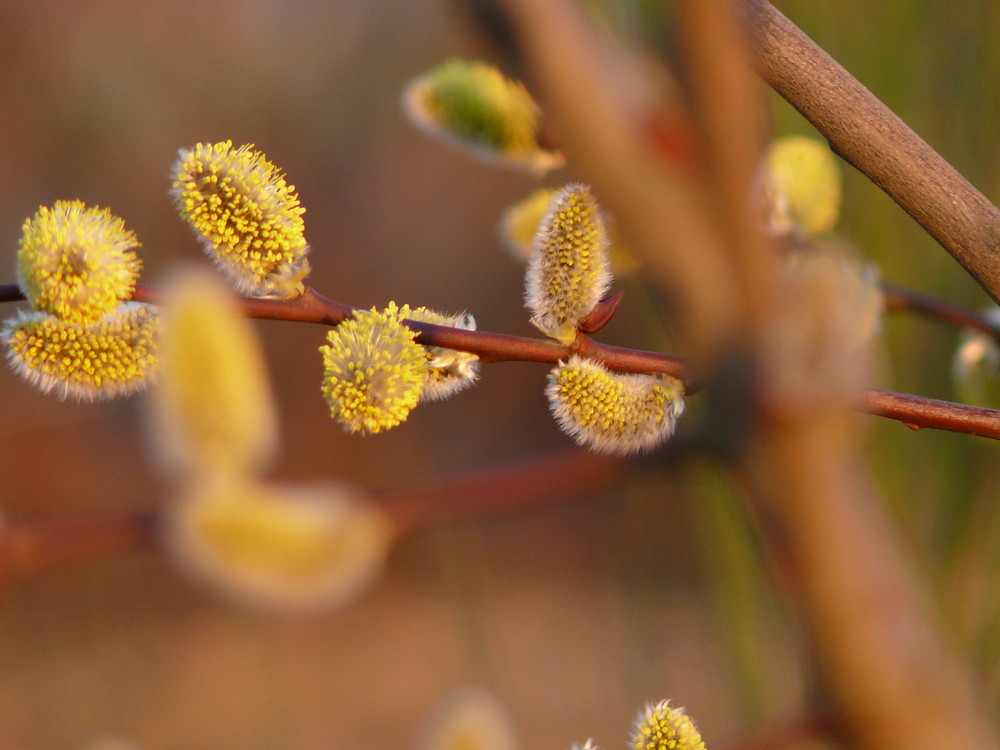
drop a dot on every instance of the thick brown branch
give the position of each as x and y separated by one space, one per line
871 137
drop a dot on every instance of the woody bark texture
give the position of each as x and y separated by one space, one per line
868 135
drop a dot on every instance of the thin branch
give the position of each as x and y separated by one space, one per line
551 480
918 412
914 411
900 298
868 135
29 548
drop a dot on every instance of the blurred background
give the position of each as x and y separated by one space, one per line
574 616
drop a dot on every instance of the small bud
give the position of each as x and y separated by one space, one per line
519 225
470 720
374 371
247 215
568 272
802 186
662 727
450 371
213 407
113 357
76 261
472 105
976 367
612 412
279 547
588 745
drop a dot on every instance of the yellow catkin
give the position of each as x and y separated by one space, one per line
248 216
802 186
213 406
113 357
663 727
521 221
568 272
76 262
374 371
279 547
611 412
473 105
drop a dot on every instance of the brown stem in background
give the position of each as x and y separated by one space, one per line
868 135
727 103
900 298
534 484
28 548
790 733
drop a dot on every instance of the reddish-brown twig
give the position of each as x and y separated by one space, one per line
312 307
901 298
28 548
550 480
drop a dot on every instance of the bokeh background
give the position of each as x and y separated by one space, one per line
573 616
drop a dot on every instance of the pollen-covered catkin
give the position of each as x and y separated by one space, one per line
663 727
374 371
247 215
612 412
76 262
568 272
113 357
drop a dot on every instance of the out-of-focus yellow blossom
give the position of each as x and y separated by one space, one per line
802 186
213 406
279 547
472 105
